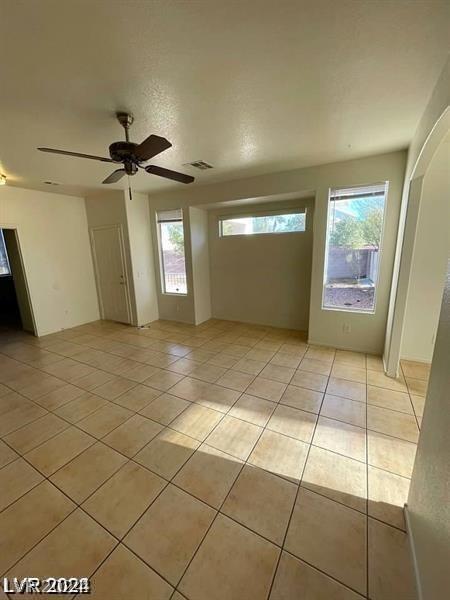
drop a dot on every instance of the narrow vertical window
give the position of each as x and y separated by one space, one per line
171 251
354 235
4 263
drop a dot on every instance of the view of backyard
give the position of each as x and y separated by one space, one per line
354 234
277 223
172 250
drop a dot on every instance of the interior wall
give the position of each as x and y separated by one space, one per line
354 331
429 259
262 279
20 284
428 500
198 219
142 261
437 106
56 254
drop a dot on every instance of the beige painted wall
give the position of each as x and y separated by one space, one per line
325 327
428 500
142 260
262 279
198 219
429 260
55 248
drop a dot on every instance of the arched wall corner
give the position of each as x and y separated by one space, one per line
407 233
432 143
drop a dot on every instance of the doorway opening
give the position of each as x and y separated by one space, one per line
427 277
15 306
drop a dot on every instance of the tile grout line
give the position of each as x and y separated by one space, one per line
264 428
410 399
367 493
168 426
244 463
218 510
299 484
178 487
132 460
75 425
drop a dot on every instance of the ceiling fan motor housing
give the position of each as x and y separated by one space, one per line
130 168
123 151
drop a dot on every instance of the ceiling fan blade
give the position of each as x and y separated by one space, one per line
152 146
115 176
77 154
168 174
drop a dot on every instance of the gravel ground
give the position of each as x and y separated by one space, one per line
349 297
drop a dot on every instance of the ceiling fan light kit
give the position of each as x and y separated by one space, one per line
132 156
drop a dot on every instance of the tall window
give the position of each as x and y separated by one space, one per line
271 222
354 234
4 263
171 250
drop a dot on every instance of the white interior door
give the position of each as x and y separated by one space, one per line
111 273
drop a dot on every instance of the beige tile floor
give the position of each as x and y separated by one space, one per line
225 461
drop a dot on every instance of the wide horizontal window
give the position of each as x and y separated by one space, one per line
263 223
171 251
354 234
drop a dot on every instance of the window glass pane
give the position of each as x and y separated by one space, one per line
355 225
4 264
263 224
171 238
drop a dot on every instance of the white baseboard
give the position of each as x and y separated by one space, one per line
417 360
341 347
412 547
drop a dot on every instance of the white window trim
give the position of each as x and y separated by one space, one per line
162 274
358 311
9 274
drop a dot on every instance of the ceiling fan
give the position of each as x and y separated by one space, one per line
131 155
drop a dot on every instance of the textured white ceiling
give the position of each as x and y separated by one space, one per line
249 86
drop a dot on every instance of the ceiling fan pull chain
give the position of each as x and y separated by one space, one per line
129 189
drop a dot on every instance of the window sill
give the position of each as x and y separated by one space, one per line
357 311
178 294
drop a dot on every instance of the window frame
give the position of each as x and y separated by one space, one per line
357 311
8 264
162 271
255 214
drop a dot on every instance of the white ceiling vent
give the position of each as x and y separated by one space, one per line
199 164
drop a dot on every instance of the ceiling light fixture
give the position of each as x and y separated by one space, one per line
2 179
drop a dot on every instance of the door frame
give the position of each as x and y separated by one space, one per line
92 231
400 278
15 229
